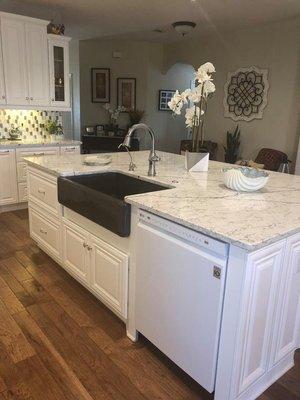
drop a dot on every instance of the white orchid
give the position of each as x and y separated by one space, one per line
208 87
176 103
198 96
192 116
204 72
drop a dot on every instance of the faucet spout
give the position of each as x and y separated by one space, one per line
153 157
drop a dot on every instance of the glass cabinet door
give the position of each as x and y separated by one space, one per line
59 73
59 68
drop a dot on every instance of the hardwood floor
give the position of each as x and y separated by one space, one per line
58 342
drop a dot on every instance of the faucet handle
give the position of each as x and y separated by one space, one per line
155 157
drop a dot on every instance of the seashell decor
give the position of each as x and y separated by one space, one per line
245 179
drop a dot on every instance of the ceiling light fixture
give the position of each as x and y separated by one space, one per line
183 27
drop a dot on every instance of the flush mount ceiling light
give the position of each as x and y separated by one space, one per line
183 27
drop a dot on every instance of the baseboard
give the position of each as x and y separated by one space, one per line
13 207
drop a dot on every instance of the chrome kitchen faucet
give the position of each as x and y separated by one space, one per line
153 157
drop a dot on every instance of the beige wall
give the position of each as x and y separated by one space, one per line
275 47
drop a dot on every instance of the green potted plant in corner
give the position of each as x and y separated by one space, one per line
232 145
54 128
196 101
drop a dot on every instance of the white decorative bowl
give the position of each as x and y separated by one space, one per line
245 179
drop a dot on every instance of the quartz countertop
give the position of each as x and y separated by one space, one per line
7 143
200 200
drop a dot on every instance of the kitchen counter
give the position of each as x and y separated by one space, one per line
200 200
6 143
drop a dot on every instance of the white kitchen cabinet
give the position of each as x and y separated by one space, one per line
109 275
14 60
37 64
76 255
46 231
25 60
34 71
286 330
257 322
99 266
59 70
2 82
8 177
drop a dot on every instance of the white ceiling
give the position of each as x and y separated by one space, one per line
138 18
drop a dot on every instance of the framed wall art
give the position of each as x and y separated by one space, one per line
164 97
100 79
126 93
246 94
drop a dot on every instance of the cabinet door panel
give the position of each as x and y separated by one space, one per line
37 64
14 61
75 253
258 307
8 178
59 73
2 83
109 275
289 310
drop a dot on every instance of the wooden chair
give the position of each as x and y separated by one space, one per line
271 158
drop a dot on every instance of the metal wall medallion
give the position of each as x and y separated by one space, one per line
246 92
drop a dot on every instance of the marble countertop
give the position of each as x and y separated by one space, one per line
6 143
200 200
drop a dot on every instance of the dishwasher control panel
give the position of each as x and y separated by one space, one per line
197 238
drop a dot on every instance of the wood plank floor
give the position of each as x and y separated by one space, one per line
58 342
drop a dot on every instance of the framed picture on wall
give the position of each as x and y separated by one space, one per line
164 97
126 93
100 78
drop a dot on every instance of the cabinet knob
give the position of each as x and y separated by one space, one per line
84 245
31 98
52 99
27 98
3 96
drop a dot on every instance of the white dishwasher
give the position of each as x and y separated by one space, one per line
180 277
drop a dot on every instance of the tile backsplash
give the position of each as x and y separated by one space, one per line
30 122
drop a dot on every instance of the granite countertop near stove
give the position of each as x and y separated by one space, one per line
7 143
200 200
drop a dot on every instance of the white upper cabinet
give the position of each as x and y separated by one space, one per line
35 69
2 83
14 60
37 64
59 70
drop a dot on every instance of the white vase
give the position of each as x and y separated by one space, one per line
196 162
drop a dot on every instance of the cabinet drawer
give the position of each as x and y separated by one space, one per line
22 171
70 150
36 151
23 192
43 191
45 232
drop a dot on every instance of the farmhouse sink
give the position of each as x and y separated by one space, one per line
100 197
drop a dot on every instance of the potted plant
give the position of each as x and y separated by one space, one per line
113 114
232 145
53 127
196 101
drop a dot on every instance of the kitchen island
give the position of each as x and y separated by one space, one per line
257 327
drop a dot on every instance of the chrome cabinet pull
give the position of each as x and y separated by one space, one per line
43 231
41 191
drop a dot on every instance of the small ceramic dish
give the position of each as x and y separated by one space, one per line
245 179
97 160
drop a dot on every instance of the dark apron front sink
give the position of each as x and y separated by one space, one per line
100 197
